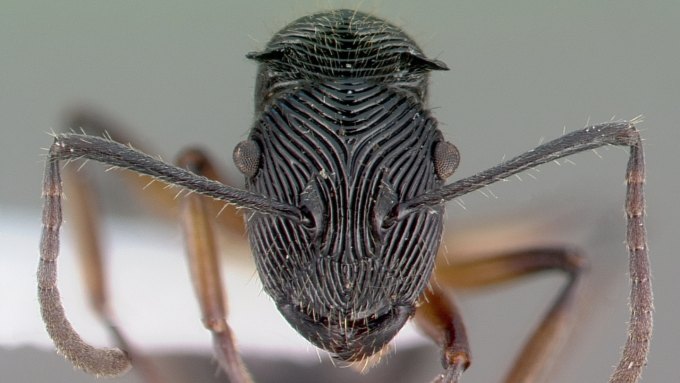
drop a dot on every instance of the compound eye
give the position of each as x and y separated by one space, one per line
446 159
247 157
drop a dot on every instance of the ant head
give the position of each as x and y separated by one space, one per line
343 136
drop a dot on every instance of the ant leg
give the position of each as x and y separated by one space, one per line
204 265
544 341
83 206
438 317
156 195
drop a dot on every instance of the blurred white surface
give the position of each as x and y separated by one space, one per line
151 293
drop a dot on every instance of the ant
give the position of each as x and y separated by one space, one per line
344 197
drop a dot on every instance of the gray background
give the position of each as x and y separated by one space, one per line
521 71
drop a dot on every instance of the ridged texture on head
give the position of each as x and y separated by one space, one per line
345 141
342 44
319 148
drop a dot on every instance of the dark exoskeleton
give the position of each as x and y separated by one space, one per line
343 132
344 200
